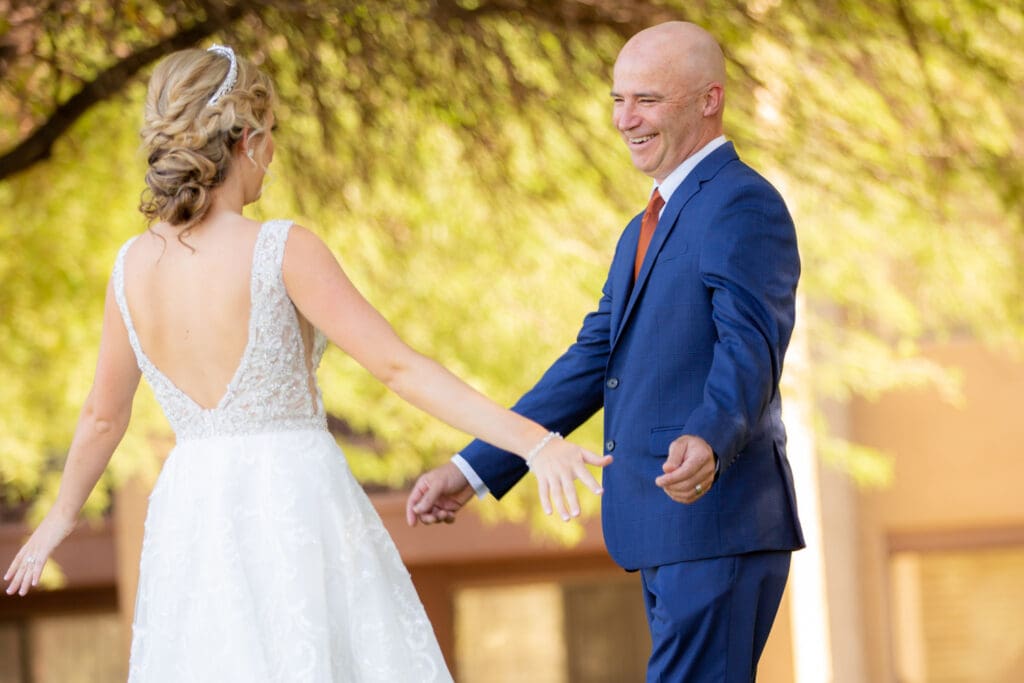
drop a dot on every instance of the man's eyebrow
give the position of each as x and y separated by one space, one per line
640 95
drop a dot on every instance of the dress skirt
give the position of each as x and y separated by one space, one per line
264 561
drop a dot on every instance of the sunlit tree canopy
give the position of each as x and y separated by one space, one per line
459 159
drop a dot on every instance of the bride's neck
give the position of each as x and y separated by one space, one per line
229 197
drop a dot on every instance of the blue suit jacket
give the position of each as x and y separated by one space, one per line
695 346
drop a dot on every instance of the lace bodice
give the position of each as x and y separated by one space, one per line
273 388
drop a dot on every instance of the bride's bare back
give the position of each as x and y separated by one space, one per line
191 309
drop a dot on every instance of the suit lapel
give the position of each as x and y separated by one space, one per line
704 171
622 273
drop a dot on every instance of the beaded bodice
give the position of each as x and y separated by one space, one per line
273 388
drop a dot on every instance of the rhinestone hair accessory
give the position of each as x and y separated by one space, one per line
230 79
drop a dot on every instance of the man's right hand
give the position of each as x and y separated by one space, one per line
437 496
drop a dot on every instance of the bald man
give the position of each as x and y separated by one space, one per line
684 353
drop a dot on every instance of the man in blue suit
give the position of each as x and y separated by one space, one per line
684 352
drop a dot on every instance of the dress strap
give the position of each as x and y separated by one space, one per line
269 251
122 302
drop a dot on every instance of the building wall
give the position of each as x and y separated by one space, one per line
954 510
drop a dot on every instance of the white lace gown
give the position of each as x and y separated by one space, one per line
263 559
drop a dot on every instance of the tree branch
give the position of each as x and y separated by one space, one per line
38 145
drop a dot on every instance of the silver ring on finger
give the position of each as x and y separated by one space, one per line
30 560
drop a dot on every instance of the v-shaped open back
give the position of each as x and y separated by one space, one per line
271 388
155 369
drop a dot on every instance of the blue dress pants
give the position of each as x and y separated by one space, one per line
709 619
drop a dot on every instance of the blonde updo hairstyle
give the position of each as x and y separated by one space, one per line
188 140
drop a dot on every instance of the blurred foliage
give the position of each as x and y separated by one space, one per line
458 158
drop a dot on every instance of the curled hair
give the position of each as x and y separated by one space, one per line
187 140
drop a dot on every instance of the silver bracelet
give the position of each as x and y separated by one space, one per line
540 445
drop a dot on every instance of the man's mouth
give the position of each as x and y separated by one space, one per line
641 140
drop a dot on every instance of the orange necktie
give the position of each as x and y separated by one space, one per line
647 226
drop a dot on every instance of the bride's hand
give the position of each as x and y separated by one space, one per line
27 566
557 465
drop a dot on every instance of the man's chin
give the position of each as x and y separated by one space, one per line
643 163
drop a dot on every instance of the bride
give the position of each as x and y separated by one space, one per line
263 559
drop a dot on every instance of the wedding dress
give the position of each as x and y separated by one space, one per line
263 559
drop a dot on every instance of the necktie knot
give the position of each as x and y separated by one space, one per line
655 203
647 225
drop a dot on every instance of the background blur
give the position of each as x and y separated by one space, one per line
459 158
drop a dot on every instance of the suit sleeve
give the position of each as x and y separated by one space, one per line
750 266
566 396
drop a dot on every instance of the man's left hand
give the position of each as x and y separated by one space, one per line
689 469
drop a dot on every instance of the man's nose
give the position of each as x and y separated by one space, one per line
626 117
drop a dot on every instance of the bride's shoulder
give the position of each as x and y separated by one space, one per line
307 251
301 238
135 242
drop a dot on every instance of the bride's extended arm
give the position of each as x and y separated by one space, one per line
327 298
101 425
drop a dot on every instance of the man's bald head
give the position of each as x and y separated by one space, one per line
669 84
680 48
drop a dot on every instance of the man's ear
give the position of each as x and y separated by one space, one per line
714 98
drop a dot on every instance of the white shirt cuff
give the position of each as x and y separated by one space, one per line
471 476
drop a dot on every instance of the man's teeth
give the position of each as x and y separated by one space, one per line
637 141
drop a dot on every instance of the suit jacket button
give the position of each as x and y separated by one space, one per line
612 382
609 446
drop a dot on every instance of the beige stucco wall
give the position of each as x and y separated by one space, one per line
958 472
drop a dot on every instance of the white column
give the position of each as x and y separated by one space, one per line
811 637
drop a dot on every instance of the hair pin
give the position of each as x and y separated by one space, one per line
231 78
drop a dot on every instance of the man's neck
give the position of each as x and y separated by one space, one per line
674 179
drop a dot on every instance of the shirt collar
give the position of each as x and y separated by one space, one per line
676 177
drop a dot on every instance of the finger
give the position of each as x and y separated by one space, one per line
680 476
415 495
427 518
559 500
584 475
594 459
448 504
542 490
676 456
428 496
443 515
17 563
569 491
16 571
31 572
19 585
689 473
685 496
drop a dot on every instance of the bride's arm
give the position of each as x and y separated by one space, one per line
328 299
101 425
